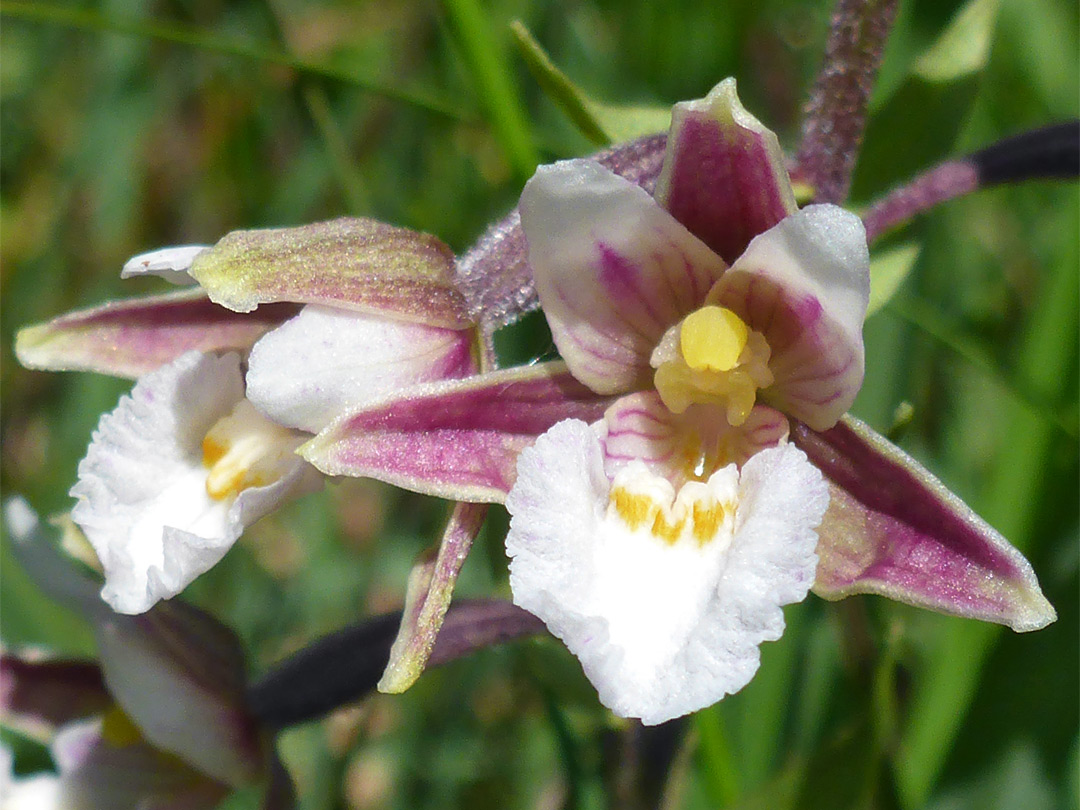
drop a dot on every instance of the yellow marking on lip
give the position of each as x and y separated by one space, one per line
212 452
707 520
244 450
633 509
668 532
637 510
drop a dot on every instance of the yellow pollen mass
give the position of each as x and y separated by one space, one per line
244 450
712 338
232 470
712 358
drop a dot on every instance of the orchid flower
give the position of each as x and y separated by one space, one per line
159 721
700 373
204 445
684 520
688 468
660 542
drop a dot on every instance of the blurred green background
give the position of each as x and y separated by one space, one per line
130 125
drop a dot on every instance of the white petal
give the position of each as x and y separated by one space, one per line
613 270
662 627
171 263
143 502
326 362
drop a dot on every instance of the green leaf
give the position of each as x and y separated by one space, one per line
601 123
930 108
963 47
944 692
718 764
888 269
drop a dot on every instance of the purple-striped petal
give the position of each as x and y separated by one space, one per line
805 285
457 439
131 338
683 447
613 270
893 529
724 176
427 598
352 263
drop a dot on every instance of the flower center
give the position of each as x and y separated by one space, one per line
701 512
712 357
245 449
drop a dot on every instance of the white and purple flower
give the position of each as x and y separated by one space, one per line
205 444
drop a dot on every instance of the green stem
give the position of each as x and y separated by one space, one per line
491 75
721 776
182 35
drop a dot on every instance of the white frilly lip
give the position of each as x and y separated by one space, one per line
171 264
142 498
661 630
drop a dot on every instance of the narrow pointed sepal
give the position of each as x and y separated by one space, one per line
131 338
724 176
427 598
351 263
893 529
458 439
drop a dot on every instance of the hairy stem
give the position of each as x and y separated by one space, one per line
1051 152
836 112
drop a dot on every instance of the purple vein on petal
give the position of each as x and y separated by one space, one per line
494 275
456 439
895 530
